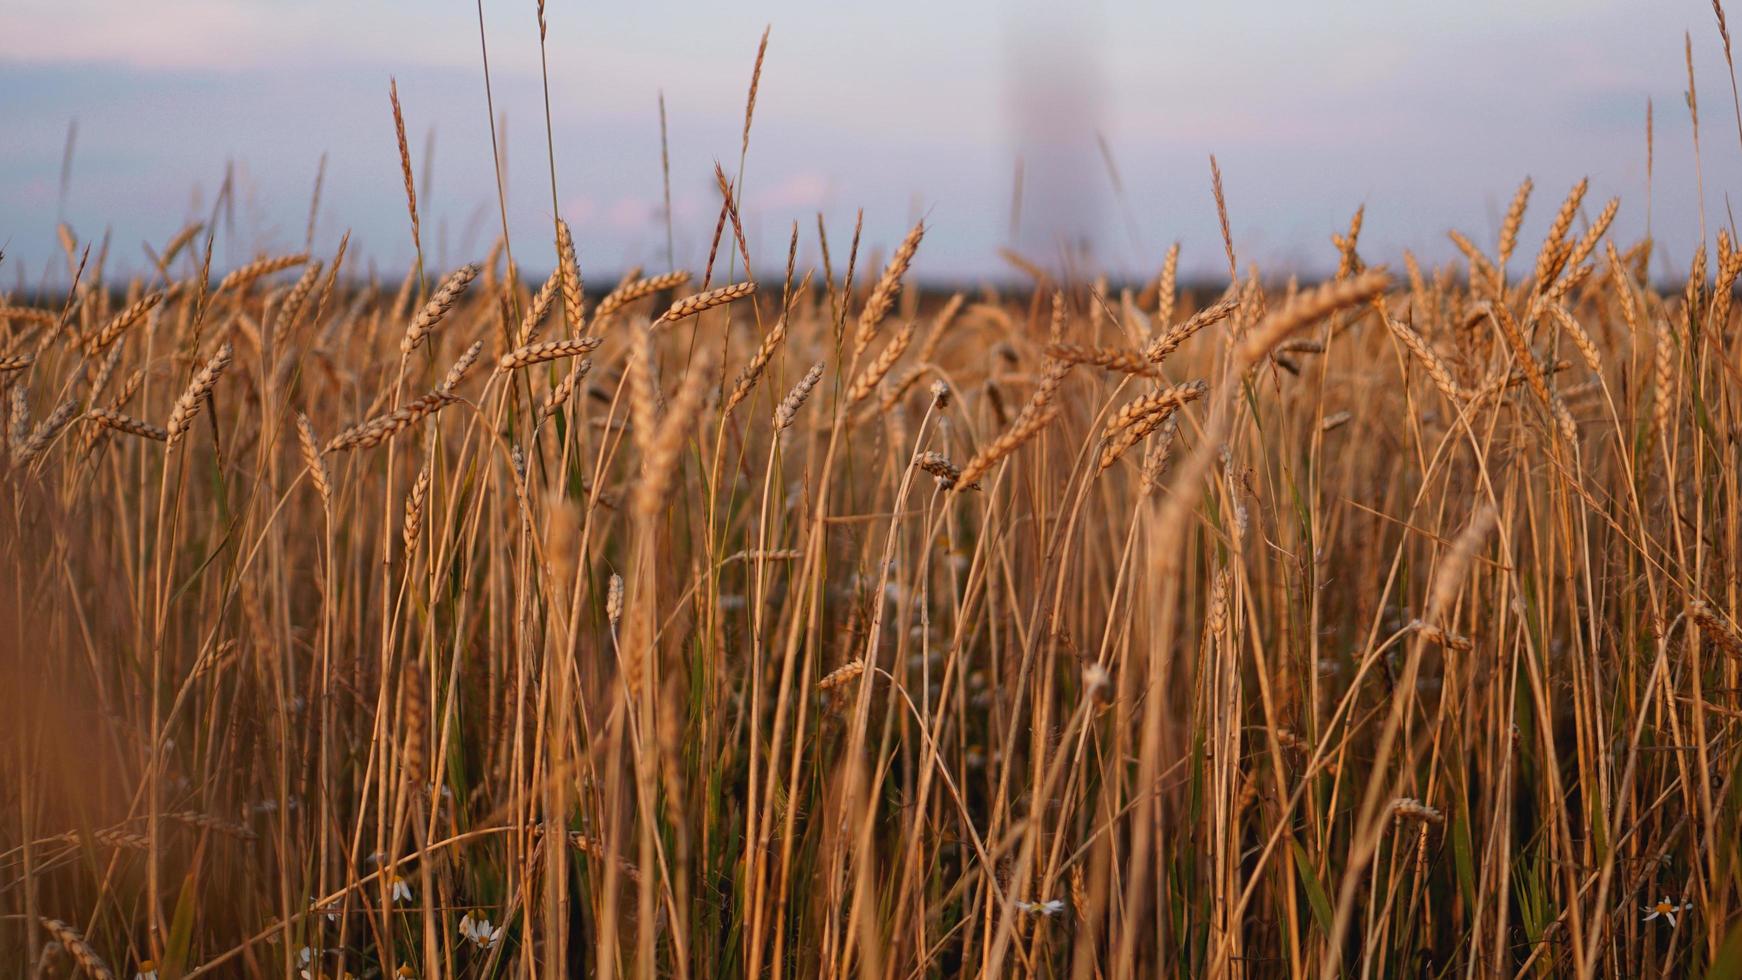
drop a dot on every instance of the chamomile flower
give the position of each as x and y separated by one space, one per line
475 926
401 892
1047 909
147 970
1667 909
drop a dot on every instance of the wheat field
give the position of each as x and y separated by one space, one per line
764 620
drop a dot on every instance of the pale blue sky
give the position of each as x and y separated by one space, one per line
1429 113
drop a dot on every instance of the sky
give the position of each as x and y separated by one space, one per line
1429 114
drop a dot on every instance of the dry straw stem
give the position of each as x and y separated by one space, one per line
1040 410
127 424
550 350
1112 358
119 323
258 269
701 302
631 291
443 300
882 298
181 416
377 430
81 951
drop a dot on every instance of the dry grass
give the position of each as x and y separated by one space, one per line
1384 625
1423 652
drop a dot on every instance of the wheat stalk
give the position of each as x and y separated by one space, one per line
438 306
127 424
631 291
550 350
874 373
118 324
1035 416
702 302
373 432
787 411
81 951
241 277
181 415
569 271
882 297
1111 358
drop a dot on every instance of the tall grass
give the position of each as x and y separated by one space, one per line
810 624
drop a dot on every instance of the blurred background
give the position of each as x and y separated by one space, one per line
1101 114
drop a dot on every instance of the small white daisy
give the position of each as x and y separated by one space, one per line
1667 909
147 971
401 891
1048 909
475 926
